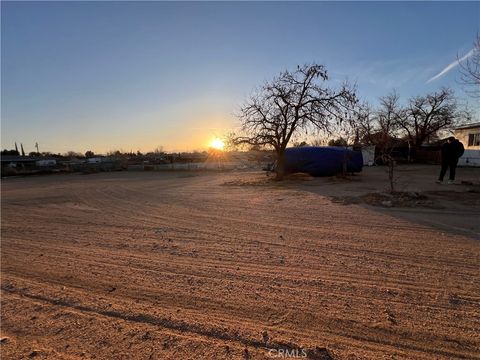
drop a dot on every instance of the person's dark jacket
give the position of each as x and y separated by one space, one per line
451 152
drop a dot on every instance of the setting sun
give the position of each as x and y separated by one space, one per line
217 144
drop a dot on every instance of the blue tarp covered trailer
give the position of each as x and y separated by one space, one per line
322 161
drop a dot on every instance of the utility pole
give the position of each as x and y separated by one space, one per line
23 152
36 145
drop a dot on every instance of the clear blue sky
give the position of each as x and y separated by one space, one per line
134 75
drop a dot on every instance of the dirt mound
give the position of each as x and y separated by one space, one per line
395 199
299 176
249 182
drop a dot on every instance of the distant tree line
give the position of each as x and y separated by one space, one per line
301 102
10 152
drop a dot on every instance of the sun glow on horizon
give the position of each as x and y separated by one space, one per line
217 144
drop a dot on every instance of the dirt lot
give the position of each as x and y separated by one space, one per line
178 265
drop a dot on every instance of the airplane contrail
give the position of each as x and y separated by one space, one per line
451 66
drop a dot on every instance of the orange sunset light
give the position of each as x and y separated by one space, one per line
217 144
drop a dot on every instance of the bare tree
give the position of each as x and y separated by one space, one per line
380 127
426 115
159 150
293 101
345 132
376 126
390 116
365 124
470 69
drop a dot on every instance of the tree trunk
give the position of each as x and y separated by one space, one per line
391 174
280 165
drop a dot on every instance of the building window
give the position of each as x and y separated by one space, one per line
474 139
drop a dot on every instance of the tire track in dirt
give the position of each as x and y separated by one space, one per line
216 333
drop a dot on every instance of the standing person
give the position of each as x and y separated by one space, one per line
452 150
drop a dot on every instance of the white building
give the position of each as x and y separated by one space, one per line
94 160
469 136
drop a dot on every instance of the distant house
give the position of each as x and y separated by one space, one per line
95 160
16 164
46 162
17 161
469 135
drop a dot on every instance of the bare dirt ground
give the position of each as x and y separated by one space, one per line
179 265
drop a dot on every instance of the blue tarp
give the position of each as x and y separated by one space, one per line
322 161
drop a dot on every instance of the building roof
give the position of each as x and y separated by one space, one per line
468 126
18 158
